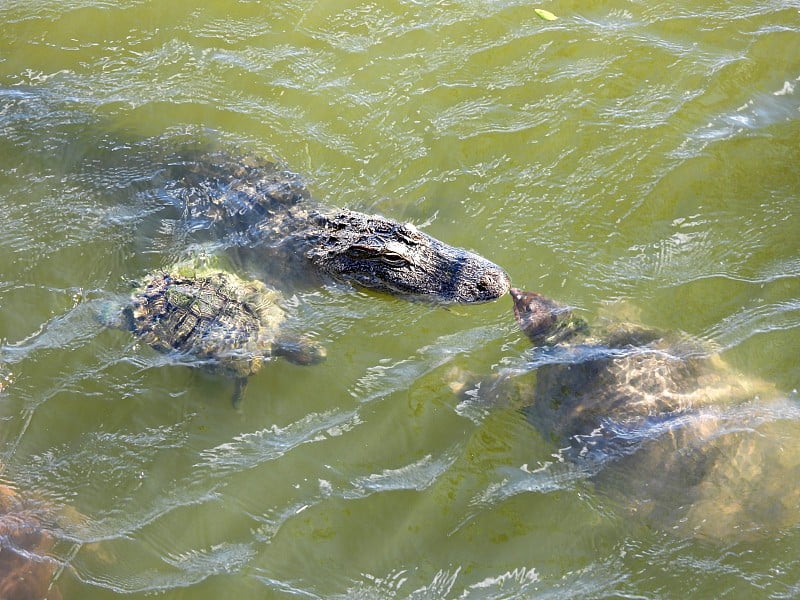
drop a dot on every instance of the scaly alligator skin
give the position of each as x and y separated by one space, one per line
267 217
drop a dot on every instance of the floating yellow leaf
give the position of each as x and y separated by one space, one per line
545 14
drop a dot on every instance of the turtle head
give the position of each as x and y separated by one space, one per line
545 321
300 350
112 314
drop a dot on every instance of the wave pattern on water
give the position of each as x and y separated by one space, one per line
643 151
250 449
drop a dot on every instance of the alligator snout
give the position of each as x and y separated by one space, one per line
494 282
479 280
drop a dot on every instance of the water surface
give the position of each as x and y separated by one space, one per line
641 154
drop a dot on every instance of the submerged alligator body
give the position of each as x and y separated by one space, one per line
266 217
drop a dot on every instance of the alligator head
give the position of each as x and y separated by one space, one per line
398 259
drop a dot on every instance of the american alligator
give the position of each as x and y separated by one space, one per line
229 325
658 422
267 219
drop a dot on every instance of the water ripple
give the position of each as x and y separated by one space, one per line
418 475
383 380
751 118
643 150
249 450
747 322
188 569
520 582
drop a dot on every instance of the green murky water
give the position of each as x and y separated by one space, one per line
637 152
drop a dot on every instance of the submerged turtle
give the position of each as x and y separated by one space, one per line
32 540
26 570
662 424
622 373
233 326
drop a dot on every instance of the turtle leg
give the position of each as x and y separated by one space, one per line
239 387
299 350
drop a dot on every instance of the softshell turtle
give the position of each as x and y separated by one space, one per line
661 423
231 325
622 374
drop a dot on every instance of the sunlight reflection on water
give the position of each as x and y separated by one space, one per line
634 154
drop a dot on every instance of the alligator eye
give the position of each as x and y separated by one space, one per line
388 257
393 259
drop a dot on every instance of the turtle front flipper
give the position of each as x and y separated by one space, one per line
299 350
